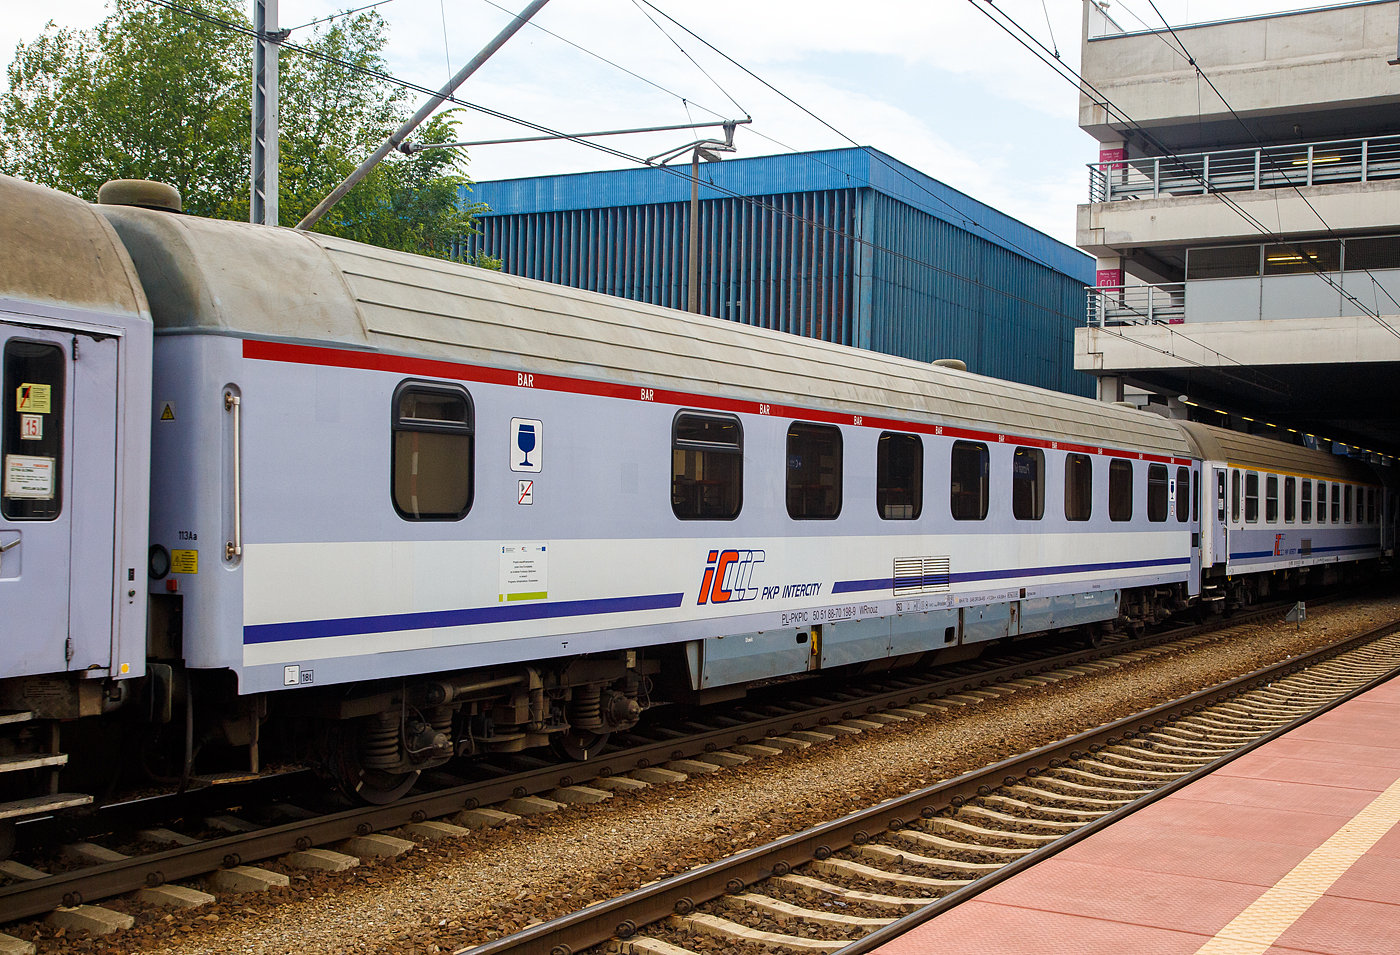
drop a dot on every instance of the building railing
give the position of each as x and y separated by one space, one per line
1238 170
1137 304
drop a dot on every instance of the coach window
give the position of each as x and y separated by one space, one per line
707 467
1157 493
899 476
1120 490
1336 503
1306 515
1370 505
1079 487
813 472
1290 500
1271 498
1183 484
1251 497
1028 484
969 478
1220 497
1322 502
1195 496
1346 506
433 452
1234 496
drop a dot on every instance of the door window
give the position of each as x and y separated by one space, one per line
32 431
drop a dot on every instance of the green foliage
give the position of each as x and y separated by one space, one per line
150 93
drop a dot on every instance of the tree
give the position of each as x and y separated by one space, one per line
151 93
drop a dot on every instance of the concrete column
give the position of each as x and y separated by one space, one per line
1110 388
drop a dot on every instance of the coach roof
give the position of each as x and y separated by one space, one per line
59 251
1266 454
236 278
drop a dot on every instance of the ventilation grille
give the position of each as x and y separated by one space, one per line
921 575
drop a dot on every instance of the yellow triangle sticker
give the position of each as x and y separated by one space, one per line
168 414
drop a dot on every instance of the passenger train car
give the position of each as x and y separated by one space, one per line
403 510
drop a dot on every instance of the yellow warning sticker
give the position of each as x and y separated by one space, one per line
184 561
36 399
167 411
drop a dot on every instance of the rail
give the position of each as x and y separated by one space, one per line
1240 170
1136 304
624 916
89 884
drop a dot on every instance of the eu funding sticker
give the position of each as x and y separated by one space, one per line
524 572
29 477
526 444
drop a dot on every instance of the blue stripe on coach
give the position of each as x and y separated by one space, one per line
1246 555
433 619
887 583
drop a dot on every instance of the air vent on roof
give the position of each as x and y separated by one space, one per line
143 193
954 363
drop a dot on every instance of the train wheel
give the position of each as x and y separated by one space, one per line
579 746
370 786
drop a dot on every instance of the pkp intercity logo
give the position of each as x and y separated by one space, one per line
728 576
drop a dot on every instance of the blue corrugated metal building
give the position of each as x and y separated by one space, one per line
846 245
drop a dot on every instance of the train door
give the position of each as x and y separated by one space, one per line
57 499
1191 511
1217 539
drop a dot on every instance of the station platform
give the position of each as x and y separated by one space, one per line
1291 848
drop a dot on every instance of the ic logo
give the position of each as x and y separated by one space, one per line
727 575
1278 545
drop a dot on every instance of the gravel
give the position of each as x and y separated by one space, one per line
445 896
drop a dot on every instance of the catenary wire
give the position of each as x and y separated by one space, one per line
615 65
1202 74
1103 101
686 54
962 215
750 200
1152 141
337 16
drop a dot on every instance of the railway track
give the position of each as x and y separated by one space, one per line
853 884
271 824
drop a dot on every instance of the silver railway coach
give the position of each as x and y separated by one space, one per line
403 510
1278 513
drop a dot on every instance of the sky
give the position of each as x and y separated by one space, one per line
934 83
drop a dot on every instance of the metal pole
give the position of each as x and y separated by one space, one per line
262 207
695 230
423 113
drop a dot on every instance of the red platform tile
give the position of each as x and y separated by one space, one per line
1373 878
1294 746
1273 794
1345 927
1169 849
1388 846
1155 899
981 928
1274 767
1207 818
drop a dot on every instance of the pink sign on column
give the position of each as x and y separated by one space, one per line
1109 278
1113 155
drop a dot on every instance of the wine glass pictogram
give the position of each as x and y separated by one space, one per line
525 441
